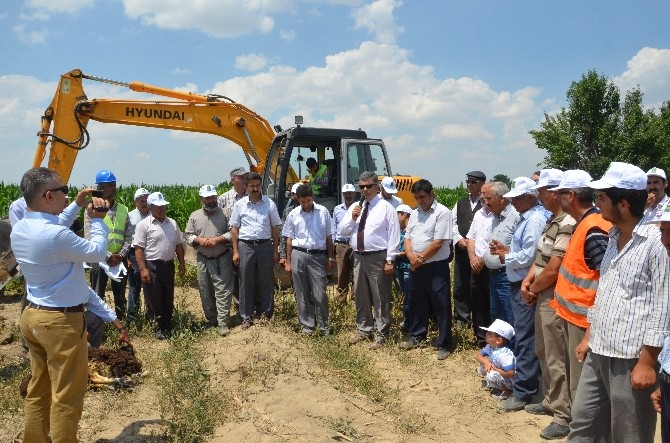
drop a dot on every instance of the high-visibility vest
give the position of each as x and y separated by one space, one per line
576 284
117 230
316 189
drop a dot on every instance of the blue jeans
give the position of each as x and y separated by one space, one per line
402 278
501 293
526 380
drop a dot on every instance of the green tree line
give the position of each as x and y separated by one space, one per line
597 127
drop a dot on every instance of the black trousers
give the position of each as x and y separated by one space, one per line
430 289
481 304
462 296
159 294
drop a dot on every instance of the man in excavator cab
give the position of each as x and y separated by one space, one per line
318 177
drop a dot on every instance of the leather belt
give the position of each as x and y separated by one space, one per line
255 242
370 252
664 377
161 262
310 251
342 242
78 308
213 258
497 271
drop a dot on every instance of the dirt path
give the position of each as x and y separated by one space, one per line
281 391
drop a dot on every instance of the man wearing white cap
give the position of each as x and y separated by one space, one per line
389 190
518 259
157 240
538 288
135 216
578 276
657 183
344 255
627 320
207 231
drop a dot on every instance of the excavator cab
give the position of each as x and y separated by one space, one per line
344 153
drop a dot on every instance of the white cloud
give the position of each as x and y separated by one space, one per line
287 35
60 6
180 71
216 18
650 69
30 37
377 18
251 62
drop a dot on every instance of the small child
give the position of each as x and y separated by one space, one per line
497 362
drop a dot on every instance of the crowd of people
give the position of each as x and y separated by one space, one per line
567 299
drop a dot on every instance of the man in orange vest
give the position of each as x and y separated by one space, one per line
580 270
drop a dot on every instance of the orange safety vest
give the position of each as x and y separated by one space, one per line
577 284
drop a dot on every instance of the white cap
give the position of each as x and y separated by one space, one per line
622 176
657 172
574 178
388 183
403 208
520 186
140 192
295 187
662 215
549 177
348 187
207 191
238 171
502 328
157 199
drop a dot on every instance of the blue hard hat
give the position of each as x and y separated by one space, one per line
105 176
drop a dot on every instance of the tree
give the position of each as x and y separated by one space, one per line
584 135
503 178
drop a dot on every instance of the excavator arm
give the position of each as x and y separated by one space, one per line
70 110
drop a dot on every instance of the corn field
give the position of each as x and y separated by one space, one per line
184 199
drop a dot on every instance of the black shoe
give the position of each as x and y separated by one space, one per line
555 431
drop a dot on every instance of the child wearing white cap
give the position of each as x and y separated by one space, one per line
497 363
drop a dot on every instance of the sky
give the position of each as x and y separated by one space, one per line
450 86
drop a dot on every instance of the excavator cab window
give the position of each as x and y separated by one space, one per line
365 157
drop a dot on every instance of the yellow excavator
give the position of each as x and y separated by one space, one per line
280 156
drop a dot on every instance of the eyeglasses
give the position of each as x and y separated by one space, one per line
367 186
472 182
63 189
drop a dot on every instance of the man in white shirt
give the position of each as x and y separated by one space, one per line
254 225
626 323
657 183
428 248
389 191
309 254
479 237
374 230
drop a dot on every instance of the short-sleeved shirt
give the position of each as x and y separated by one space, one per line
227 200
158 239
338 215
206 224
255 220
554 240
480 231
502 358
426 226
308 229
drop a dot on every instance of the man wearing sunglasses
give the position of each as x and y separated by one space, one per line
374 230
51 258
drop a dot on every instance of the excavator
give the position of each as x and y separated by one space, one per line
280 156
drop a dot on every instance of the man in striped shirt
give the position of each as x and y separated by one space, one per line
627 320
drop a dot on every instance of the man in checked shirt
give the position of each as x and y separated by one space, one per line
627 320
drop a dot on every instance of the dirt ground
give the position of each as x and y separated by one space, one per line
295 399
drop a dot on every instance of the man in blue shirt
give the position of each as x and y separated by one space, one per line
51 258
518 257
